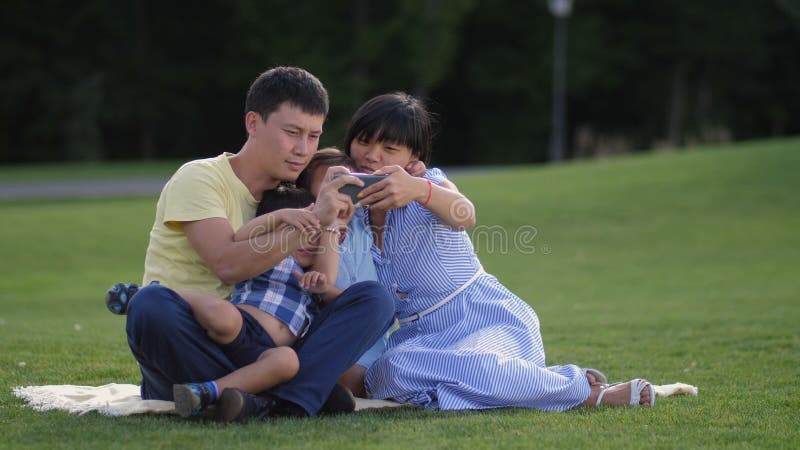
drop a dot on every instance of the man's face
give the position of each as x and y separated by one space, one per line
286 141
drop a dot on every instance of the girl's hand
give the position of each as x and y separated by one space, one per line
312 281
397 190
416 168
301 219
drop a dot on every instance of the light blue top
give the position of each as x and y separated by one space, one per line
355 259
356 265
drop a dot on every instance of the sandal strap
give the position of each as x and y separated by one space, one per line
599 376
636 389
636 386
600 395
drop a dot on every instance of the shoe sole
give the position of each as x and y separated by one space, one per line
230 406
186 403
340 401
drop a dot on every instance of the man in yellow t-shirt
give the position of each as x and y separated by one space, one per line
192 247
201 189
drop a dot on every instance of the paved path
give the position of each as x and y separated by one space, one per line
125 187
81 188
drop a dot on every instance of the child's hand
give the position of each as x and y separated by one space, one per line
416 168
301 219
312 281
343 218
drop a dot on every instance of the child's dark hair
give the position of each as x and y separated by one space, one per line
283 197
397 117
324 157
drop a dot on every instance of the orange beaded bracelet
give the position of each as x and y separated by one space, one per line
430 191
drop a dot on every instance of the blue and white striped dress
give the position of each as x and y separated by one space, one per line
482 349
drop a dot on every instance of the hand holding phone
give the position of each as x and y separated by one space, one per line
352 190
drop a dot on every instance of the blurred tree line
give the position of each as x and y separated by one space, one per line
144 79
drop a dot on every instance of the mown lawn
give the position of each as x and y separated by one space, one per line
15 173
672 267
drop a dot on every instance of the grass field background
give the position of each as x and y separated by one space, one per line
88 171
672 267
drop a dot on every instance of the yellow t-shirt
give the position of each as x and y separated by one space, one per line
200 189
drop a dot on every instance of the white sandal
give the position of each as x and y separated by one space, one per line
599 377
636 388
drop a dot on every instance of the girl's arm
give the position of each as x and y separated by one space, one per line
269 222
399 189
263 224
320 276
317 283
326 261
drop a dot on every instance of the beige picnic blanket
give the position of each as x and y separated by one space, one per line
124 399
666 390
117 400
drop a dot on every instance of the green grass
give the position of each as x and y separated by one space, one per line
11 173
674 267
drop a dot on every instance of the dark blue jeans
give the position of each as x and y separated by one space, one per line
172 348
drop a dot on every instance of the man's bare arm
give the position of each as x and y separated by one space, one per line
234 261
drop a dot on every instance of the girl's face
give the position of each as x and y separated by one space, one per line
318 176
371 156
304 256
316 179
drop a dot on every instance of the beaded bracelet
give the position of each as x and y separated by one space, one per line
333 230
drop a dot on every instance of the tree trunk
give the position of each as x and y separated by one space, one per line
147 148
677 106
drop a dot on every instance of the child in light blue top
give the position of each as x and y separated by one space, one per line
355 263
355 259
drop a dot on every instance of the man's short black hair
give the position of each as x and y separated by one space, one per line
286 84
283 197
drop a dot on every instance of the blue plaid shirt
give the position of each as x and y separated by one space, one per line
278 293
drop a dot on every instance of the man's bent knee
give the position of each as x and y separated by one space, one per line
155 307
380 301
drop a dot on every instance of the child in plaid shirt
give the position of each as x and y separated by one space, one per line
267 314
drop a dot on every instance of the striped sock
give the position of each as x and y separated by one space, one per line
210 391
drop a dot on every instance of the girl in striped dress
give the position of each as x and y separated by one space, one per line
465 341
